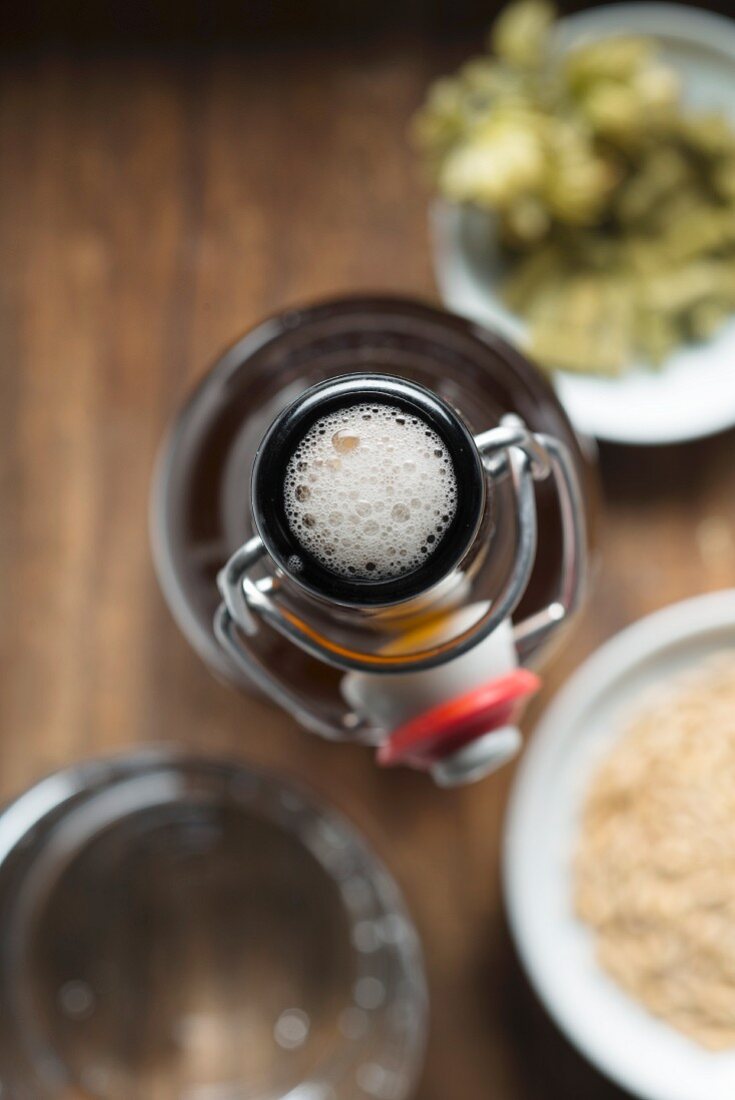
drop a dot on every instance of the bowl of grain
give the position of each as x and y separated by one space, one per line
619 856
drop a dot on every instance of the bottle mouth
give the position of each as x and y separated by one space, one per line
272 491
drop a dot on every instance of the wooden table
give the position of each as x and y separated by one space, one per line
152 208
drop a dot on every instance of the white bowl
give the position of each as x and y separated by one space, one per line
694 394
640 1052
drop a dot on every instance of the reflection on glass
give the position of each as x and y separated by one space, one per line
183 929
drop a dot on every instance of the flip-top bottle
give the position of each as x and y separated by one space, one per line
373 512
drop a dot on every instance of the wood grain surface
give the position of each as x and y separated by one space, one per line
151 209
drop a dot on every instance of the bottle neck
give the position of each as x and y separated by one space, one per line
424 489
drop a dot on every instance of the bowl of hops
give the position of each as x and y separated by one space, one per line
584 174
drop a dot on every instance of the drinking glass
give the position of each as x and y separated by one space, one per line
182 928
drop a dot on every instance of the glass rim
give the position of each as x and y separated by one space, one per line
101 791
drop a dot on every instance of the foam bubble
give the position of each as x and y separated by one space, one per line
370 491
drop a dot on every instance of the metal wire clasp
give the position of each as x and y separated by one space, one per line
509 449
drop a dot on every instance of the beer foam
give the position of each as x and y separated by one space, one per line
370 491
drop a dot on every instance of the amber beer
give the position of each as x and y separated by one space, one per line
334 455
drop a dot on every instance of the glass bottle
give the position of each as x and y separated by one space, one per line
423 665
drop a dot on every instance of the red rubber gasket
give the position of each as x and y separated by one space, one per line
450 725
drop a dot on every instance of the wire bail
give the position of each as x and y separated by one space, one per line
508 449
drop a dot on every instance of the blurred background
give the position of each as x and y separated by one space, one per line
255 22
169 175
